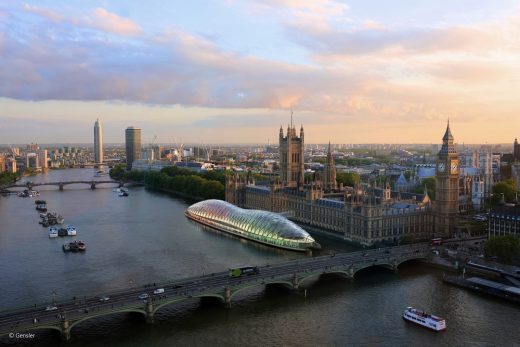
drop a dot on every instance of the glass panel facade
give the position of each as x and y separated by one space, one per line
267 227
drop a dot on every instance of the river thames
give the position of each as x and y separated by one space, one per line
145 238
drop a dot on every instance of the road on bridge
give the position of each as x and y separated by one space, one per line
215 284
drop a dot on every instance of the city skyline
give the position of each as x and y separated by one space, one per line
354 72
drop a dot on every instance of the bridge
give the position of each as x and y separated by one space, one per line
62 184
291 274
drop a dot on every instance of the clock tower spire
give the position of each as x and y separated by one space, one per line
447 187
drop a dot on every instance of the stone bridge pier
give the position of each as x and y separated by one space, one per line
149 311
60 185
295 282
227 297
93 185
65 329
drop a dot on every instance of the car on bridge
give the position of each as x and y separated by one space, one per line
104 298
158 291
51 308
143 296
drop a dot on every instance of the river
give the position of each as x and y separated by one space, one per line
145 238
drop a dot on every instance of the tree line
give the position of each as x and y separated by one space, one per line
7 178
205 185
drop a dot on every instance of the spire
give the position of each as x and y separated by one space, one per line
447 135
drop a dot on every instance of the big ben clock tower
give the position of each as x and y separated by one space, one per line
447 187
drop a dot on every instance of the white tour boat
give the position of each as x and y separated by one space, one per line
71 230
425 319
53 232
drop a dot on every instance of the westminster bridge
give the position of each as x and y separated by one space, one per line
292 274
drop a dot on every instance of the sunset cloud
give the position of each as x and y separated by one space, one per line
330 64
104 20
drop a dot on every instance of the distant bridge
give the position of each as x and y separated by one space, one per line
62 184
291 274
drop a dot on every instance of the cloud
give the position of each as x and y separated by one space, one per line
104 20
99 19
46 13
364 72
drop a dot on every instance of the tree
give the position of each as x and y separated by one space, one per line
430 184
508 188
505 248
349 179
6 178
117 172
407 239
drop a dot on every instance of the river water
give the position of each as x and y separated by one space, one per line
145 238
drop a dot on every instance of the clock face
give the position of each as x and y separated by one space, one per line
441 167
454 166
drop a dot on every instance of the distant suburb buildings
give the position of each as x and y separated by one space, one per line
98 142
365 215
133 145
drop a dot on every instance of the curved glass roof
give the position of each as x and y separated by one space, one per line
264 226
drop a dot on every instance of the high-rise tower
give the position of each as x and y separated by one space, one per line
447 187
98 142
291 157
516 150
133 145
329 179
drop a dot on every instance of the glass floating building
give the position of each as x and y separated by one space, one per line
261 226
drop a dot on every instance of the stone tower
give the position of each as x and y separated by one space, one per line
516 150
447 187
329 179
291 157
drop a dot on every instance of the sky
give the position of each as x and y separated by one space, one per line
231 71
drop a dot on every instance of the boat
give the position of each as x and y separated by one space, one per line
41 207
53 232
117 190
62 232
39 202
60 219
74 246
71 230
424 319
81 246
123 193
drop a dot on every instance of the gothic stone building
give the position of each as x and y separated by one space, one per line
365 216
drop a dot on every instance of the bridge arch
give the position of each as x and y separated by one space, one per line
128 310
405 260
386 266
256 284
170 302
343 273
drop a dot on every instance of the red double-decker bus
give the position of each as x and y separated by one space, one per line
437 241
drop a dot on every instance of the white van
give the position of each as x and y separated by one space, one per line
158 291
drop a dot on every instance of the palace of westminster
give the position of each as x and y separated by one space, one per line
363 215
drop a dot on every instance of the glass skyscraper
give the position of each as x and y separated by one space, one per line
133 145
98 142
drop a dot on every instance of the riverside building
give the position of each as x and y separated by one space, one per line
365 215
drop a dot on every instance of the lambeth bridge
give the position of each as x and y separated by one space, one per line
292 274
62 184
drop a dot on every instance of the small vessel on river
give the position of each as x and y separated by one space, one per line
53 232
424 319
75 246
